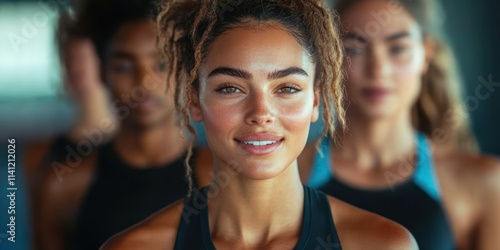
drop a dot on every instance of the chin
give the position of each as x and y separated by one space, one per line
260 169
374 111
149 119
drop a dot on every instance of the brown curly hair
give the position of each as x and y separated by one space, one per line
187 28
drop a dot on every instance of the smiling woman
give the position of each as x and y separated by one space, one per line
255 77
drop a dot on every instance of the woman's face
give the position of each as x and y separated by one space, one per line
385 59
256 99
136 75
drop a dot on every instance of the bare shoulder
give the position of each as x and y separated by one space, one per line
156 232
60 174
360 229
470 170
306 160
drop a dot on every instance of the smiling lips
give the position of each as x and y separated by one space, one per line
260 144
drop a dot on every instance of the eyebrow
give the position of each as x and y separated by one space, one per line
127 55
247 76
360 38
230 72
286 72
397 36
356 37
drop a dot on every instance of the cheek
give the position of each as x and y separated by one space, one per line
120 83
408 75
220 118
353 67
354 73
295 116
223 117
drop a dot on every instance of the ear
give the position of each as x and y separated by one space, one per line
195 108
315 113
430 48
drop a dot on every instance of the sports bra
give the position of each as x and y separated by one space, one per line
416 203
317 232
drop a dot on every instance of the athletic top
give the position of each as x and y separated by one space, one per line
318 230
415 203
120 196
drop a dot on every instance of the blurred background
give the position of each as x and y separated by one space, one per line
33 104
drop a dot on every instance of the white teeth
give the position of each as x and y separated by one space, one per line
260 143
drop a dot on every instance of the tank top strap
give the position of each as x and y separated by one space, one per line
425 173
318 230
321 171
193 228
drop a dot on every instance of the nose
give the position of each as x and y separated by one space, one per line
378 64
146 77
260 110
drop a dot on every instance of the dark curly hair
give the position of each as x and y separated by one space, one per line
99 20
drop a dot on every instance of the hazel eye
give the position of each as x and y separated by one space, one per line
353 51
228 89
288 90
397 50
123 67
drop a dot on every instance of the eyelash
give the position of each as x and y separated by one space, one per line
353 51
223 89
399 49
294 89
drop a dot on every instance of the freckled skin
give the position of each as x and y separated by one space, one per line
243 215
259 106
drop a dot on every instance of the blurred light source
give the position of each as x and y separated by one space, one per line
28 57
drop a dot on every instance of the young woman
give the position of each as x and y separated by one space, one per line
257 69
401 91
88 194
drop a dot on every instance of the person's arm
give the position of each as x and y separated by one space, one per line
48 223
83 81
56 200
159 231
488 230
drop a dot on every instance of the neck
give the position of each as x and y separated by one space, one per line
152 146
257 211
377 143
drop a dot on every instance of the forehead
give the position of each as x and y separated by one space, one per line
257 49
378 19
135 36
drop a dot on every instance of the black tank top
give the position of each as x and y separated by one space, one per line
317 232
416 203
121 196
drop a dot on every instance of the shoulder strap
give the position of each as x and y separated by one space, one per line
322 231
425 174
